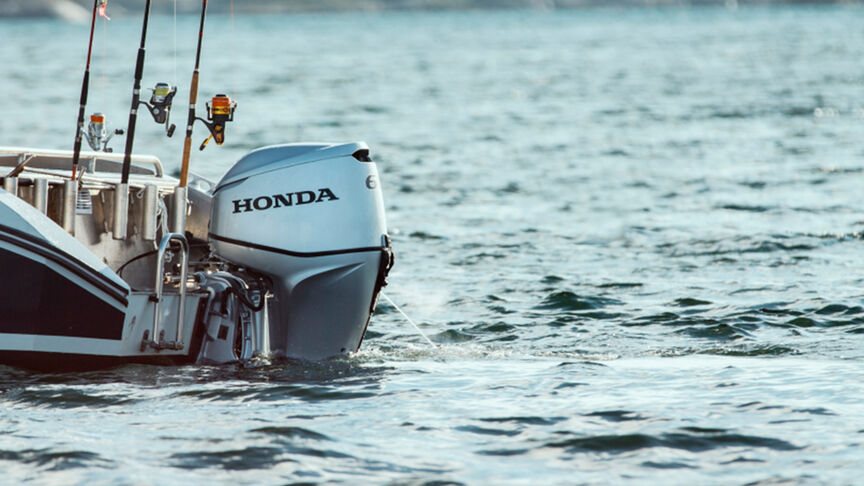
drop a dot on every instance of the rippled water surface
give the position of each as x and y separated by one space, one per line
633 235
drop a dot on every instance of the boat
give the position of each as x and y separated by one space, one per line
116 262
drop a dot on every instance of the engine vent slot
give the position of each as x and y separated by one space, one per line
362 155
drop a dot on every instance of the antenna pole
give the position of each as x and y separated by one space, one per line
85 86
193 96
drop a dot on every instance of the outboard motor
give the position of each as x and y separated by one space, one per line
311 218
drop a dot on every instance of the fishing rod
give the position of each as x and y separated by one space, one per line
121 192
85 86
136 99
96 135
160 109
219 113
193 96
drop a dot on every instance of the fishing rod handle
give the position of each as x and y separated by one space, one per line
193 97
184 170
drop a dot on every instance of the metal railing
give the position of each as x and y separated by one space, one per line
156 339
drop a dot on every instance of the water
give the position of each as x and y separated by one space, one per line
633 235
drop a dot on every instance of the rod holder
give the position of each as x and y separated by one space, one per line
148 216
70 199
40 195
121 211
10 184
178 211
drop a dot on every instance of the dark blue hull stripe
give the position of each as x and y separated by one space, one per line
37 300
43 248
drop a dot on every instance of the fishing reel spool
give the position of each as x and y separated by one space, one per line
220 110
160 105
97 135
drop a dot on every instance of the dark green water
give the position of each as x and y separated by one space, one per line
633 235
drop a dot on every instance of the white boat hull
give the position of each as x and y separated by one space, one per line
242 291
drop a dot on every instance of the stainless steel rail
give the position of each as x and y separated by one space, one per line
156 339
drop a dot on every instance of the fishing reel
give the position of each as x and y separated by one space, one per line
220 110
96 134
160 105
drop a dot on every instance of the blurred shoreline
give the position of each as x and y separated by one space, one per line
79 10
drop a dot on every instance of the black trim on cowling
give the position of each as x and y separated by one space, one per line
388 259
362 155
46 249
295 253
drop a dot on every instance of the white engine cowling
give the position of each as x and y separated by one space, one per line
311 217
